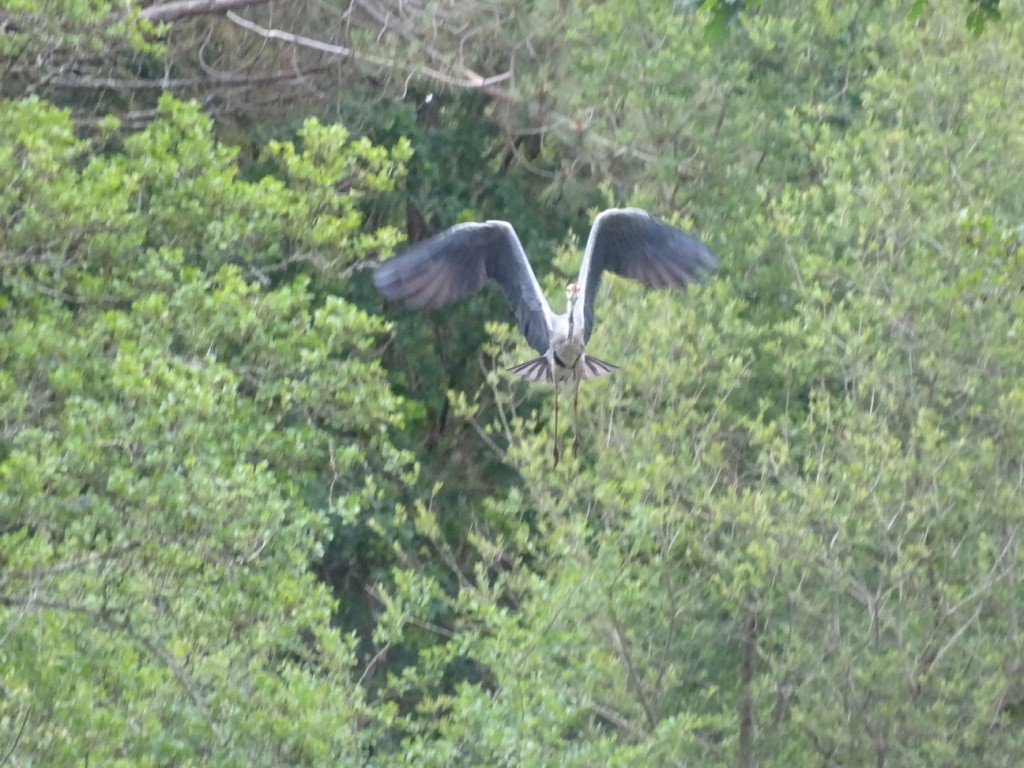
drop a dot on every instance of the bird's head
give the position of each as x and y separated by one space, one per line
572 292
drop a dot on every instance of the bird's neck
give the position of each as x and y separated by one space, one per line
572 317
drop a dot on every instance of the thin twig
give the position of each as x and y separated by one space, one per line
373 663
618 719
472 80
631 675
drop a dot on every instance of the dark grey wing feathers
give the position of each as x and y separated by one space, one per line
456 263
632 243
434 272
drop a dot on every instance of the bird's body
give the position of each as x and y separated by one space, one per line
565 359
457 263
566 356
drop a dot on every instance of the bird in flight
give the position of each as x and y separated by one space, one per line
627 241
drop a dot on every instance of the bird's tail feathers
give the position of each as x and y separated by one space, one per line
539 369
592 367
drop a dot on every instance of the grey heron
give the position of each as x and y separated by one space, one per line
627 241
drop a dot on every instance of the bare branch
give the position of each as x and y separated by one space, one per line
71 564
181 84
290 37
471 80
619 720
184 8
17 739
631 674
371 666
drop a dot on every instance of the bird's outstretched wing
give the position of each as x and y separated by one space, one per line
632 243
456 263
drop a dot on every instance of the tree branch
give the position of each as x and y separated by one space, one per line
619 720
468 79
184 8
631 675
107 618
471 80
182 84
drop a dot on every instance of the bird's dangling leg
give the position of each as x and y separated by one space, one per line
555 438
575 419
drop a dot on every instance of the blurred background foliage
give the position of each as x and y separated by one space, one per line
250 515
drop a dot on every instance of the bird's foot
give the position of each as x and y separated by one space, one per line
575 445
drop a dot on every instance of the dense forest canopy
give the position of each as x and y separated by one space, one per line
252 515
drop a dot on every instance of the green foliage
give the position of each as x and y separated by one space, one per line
41 40
791 536
724 13
180 415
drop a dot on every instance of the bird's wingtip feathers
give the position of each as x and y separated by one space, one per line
707 262
592 367
537 369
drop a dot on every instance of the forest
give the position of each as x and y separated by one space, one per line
252 514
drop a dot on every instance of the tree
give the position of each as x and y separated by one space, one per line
793 534
182 410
